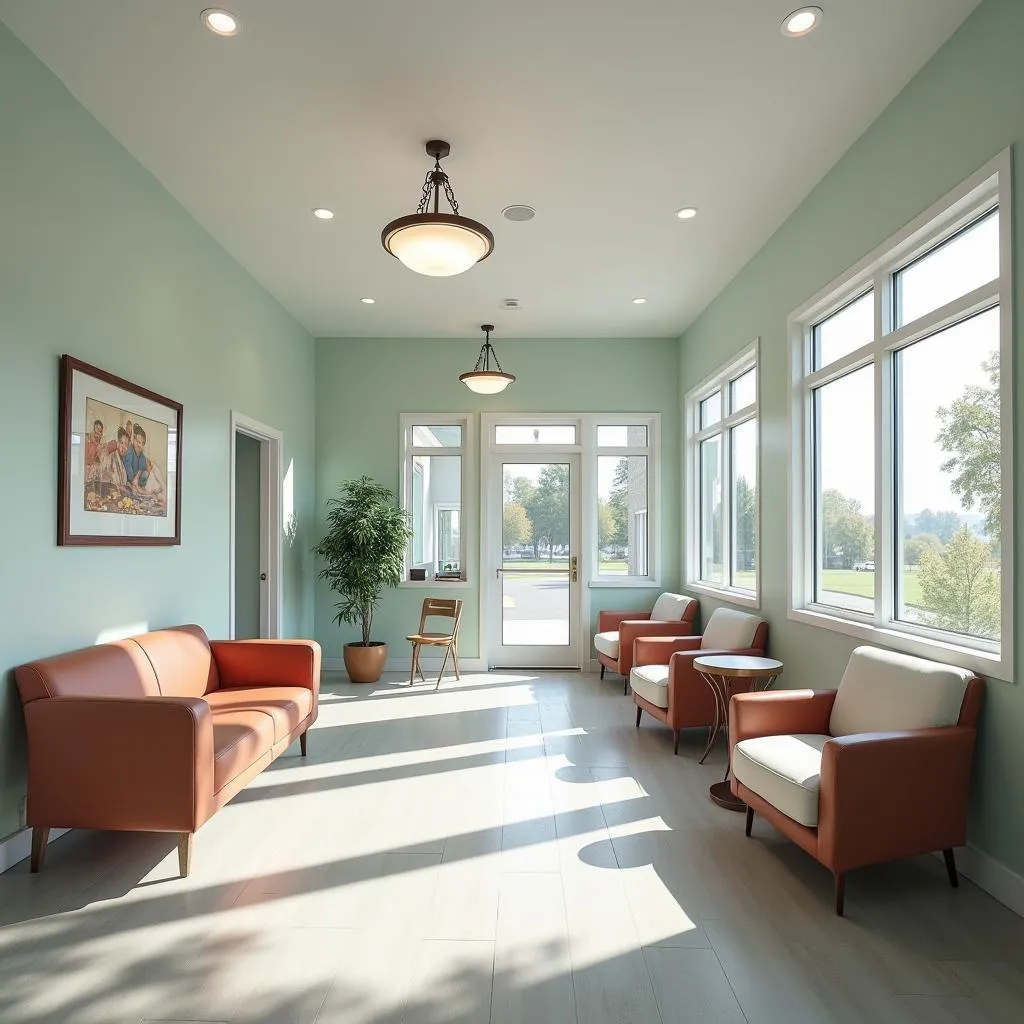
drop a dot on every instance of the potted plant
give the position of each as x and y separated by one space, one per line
364 552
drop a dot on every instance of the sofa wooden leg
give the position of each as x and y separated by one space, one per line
39 837
185 853
951 867
303 743
750 819
675 737
840 892
639 712
602 671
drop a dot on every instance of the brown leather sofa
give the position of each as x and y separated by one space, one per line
156 733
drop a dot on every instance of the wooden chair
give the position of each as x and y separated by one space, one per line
436 607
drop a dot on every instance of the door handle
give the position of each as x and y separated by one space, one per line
574 575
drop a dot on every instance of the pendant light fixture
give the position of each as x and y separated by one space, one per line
434 243
482 379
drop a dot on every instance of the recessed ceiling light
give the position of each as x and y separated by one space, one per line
519 212
220 22
802 21
511 304
367 301
687 213
322 213
639 301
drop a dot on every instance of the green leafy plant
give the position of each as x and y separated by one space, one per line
364 550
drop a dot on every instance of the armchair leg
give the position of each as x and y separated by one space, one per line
185 853
840 892
303 747
639 712
675 738
951 867
39 837
602 671
750 819
625 686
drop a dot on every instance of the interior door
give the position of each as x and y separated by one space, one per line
534 542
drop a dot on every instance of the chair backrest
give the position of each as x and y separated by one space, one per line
729 629
882 691
441 607
672 608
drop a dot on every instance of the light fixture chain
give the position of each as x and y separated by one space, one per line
451 195
495 354
428 188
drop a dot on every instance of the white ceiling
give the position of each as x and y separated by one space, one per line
605 115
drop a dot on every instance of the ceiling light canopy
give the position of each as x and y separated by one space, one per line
219 21
482 379
434 243
802 21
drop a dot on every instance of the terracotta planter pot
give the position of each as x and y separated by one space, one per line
365 664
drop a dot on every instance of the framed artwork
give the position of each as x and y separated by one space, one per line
119 460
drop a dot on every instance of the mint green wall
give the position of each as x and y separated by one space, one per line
962 109
97 260
362 387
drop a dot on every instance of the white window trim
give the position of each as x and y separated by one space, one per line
719 380
989 186
469 496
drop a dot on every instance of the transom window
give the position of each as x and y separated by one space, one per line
722 493
901 498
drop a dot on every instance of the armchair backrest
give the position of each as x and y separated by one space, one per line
674 608
729 629
882 691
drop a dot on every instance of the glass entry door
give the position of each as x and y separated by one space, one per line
534 540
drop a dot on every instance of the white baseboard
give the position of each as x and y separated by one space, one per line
404 665
18 845
989 874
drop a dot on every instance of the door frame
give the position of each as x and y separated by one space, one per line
490 453
271 443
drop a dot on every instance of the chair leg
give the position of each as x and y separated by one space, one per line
840 892
303 744
951 867
625 686
185 853
639 712
750 819
675 737
412 665
444 664
455 658
602 671
39 837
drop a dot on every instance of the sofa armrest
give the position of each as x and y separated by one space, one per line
244 663
779 711
658 650
609 622
886 795
142 763
630 629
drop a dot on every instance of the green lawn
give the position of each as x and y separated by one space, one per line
849 581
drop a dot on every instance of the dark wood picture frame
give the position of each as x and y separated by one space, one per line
69 366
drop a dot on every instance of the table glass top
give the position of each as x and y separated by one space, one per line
737 665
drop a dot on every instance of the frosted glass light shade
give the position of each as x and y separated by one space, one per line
437 244
486 382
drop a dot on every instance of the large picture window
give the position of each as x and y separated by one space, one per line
722 491
624 496
902 429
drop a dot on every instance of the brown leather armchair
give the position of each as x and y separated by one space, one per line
672 615
876 770
667 686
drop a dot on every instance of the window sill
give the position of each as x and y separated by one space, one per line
740 597
985 663
633 583
438 584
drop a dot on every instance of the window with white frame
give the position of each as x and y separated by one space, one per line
901 428
625 451
433 493
722 492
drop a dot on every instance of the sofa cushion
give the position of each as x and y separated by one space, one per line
729 630
784 770
240 738
182 660
607 644
651 683
287 706
882 691
670 608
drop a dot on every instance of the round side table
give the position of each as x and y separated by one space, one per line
728 674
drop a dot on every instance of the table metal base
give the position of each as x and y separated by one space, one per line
721 794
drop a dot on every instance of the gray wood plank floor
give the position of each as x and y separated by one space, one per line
506 850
